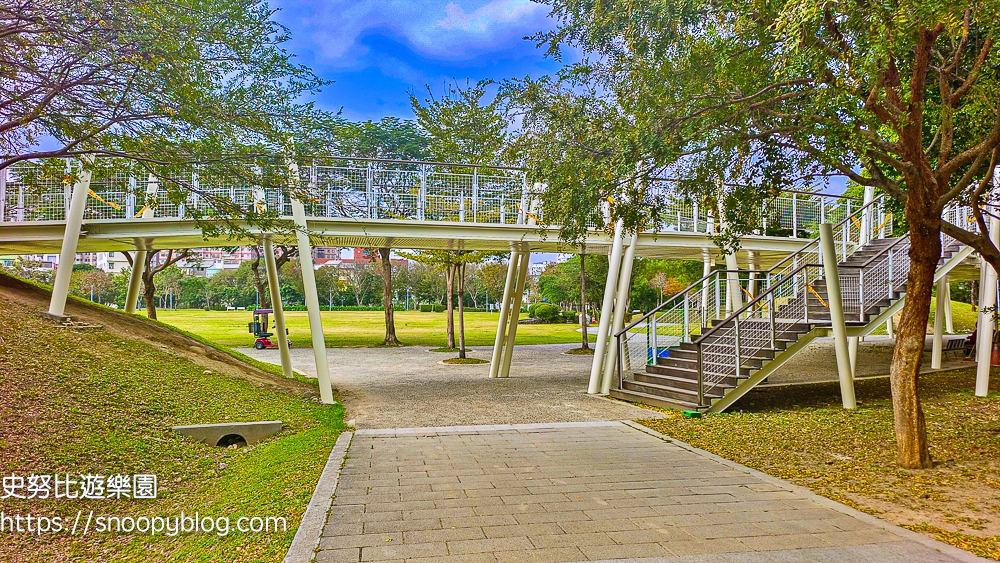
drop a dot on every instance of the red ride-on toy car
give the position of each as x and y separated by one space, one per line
259 328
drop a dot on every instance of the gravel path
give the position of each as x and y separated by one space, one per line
409 387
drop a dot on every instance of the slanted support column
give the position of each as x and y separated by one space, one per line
949 326
986 326
508 288
277 306
621 306
312 300
74 223
134 279
515 311
752 265
832 276
852 352
141 253
936 348
705 270
607 304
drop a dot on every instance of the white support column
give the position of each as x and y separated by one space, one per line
277 306
936 348
986 325
867 216
312 301
141 253
621 306
734 300
705 270
508 288
852 352
888 328
134 279
949 326
515 312
752 265
614 266
836 304
74 223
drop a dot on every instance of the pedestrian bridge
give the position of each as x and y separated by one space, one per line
119 205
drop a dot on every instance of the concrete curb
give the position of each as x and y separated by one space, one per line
306 540
910 535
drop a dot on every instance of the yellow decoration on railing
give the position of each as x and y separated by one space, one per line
104 201
813 291
884 223
529 214
140 212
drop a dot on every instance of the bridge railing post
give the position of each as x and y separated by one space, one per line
3 195
475 195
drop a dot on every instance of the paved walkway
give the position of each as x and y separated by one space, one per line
584 492
409 387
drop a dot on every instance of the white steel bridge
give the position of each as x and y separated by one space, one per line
117 205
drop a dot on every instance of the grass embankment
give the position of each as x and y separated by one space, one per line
98 402
802 434
364 328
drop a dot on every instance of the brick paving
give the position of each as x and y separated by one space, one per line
583 492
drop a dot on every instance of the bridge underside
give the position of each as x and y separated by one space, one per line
164 234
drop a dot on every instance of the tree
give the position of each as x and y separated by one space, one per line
388 138
359 279
152 269
285 253
902 96
385 269
462 127
97 285
493 276
170 87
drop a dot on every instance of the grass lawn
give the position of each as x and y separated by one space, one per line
802 434
366 328
93 402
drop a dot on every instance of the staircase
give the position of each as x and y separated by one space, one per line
699 358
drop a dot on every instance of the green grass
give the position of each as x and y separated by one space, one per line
93 402
802 434
364 328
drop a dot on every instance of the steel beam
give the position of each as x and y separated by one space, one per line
618 323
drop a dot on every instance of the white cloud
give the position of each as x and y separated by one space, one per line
441 29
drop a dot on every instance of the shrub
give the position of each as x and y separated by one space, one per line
547 312
439 308
426 307
532 308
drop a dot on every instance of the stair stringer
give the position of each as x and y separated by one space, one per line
757 376
897 305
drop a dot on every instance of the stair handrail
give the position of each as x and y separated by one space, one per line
683 293
880 198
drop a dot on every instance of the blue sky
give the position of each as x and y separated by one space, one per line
377 51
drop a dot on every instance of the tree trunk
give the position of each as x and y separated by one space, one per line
390 320
974 294
149 292
259 280
583 302
450 277
925 252
461 309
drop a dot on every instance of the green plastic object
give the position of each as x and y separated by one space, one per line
692 414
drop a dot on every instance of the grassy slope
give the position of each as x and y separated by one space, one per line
365 328
95 402
802 434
